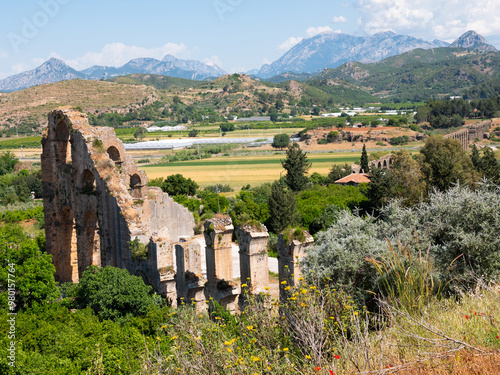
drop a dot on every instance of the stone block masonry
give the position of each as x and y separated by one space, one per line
218 238
99 210
291 250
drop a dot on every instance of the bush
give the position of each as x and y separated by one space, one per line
113 293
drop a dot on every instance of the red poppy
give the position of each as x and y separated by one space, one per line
317 368
331 372
337 356
498 337
466 316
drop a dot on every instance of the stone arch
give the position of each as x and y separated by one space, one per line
89 251
114 154
135 181
136 185
385 163
88 181
67 249
61 141
379 165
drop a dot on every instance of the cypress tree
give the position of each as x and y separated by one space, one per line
475 158
489 165
296 166
364 161
282 208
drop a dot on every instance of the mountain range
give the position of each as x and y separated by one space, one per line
55 70
332 49
304 60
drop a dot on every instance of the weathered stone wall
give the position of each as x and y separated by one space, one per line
254 267
96 202
290 253
220 286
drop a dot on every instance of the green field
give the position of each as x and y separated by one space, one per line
243 170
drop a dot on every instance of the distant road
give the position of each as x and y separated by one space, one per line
180 143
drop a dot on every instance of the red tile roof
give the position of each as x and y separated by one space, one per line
355 178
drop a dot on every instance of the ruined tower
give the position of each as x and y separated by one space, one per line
98 208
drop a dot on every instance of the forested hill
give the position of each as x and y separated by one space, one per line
420 74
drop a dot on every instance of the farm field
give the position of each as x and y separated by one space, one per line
243 170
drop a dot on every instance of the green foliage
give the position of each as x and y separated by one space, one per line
282 208
175 184
138 250
193 133
364 160
22 215
211 203
219 187
192 204
339 253
406 279
339 171
311 203
281 140
396 141
7 162
459 228
296 165
34 271
245 208
489 167
444 163
113 293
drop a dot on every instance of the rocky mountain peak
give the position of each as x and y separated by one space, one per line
472 40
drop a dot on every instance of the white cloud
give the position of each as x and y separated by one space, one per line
213 60
117 54
21 67
289 43
309 33
430 19
339 19
313 31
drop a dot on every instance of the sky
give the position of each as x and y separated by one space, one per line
237 35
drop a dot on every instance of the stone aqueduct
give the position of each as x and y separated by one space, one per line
470 134
99 211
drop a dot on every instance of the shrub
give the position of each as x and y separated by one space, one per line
113 293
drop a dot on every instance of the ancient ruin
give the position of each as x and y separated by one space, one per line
384 162
99 210
471 134
291 251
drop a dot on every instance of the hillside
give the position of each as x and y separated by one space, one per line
420 74
29 107
159 82
154 98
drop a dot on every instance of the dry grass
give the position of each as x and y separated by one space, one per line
37 101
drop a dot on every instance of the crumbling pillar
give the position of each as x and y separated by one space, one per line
291 250
218 233
190 281
166 270
254 268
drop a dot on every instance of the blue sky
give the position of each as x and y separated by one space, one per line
237 35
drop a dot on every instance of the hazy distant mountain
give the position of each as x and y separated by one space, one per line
331 49
168 66
472 40
55 70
